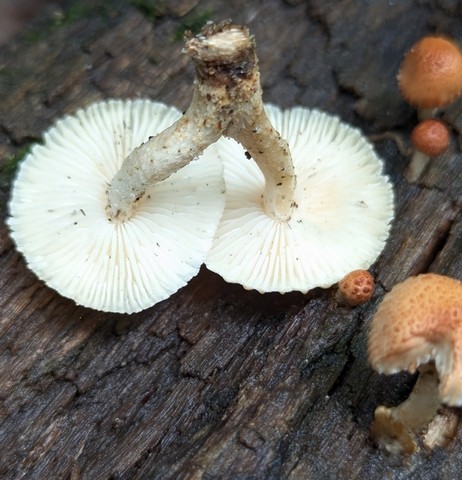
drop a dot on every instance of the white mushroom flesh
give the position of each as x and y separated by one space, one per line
58 218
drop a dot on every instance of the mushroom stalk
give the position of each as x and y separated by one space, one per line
162 156
397 428
227 100
420 419
271 153
417 165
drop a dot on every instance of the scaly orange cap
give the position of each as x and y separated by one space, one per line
420 320
357 287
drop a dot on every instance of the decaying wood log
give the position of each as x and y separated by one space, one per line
217 382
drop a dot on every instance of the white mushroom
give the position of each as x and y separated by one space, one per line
306 222
339 216
58 210
84 211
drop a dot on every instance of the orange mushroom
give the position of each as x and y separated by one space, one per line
356 288
418 321
430 138
431 73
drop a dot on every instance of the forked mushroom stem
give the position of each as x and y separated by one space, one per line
396 429
227 100
420 419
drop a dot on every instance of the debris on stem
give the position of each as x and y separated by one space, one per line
227 100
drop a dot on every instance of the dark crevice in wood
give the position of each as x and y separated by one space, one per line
7 134
339 382
443 233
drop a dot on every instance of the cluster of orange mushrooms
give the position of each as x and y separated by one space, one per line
430 78
418 325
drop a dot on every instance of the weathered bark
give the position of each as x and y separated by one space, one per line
218 382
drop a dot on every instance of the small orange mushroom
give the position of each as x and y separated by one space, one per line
431 73
356 288
430 137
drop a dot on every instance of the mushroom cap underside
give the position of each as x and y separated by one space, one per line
418 321
58 220
344 206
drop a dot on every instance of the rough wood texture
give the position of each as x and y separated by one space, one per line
217 382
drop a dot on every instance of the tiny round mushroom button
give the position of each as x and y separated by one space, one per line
430 137
356 288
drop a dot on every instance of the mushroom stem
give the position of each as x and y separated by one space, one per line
441 429
417 165
246 121
397 428
271 153
161 156
426 113
227 100
420 419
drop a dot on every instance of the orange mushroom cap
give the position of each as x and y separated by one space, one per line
420 320
357 287
430 137
431 73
